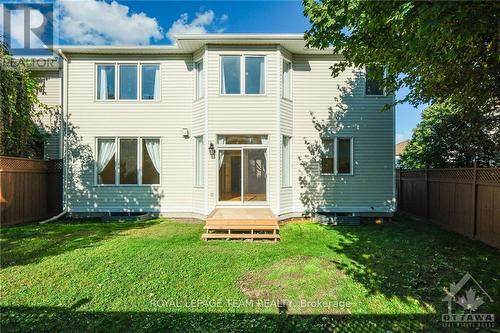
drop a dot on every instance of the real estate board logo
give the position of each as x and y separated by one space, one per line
28 28
464 300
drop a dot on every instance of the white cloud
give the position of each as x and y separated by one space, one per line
17 27
99 22
203 22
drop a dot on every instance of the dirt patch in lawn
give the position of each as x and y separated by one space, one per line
305 284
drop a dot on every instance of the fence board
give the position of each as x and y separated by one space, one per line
464 200
30 190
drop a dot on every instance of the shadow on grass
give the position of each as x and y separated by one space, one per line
406 258
67 319
26 244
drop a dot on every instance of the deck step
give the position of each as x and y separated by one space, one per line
240 227
207 236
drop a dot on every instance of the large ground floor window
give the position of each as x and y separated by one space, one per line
128 161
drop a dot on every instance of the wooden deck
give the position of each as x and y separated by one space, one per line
242 223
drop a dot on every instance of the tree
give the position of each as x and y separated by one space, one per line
20 135
449 136
443 51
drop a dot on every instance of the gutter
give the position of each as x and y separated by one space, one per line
63 144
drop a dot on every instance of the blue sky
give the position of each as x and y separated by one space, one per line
154 22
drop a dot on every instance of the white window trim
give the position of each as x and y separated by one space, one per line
290 164
242 74
335 157
117 81
199 94
289 98
117 161
196 185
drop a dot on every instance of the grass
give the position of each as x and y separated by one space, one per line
159 275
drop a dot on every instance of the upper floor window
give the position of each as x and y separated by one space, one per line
253 82
105 82
131 86
150 86
128 82
200 84
255 75
374 75
287 79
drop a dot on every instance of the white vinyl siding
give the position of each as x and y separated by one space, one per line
199 161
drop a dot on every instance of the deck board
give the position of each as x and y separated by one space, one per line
228 223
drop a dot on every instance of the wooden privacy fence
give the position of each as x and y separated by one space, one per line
465 200
30 190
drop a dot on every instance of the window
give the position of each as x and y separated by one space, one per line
242 139
128 161
344 151
285 161
128 82
254 75
105 82
150 82
128 85
374 75
252 83
231 75
200 150
287 70
150 161
106 167
120 161
327 160
200 84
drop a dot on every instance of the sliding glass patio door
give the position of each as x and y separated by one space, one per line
242 175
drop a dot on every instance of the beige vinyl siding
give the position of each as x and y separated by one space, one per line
244 114
165 119
49 121
371 187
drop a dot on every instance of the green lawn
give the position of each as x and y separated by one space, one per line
159 275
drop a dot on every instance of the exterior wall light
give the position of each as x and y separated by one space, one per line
211 150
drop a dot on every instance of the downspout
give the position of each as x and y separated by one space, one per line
62 137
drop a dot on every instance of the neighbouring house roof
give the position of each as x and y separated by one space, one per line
189 43
401 146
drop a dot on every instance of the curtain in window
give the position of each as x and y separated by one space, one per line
285 161
103 88
223 79
157 84
106 150
262 77
153 148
